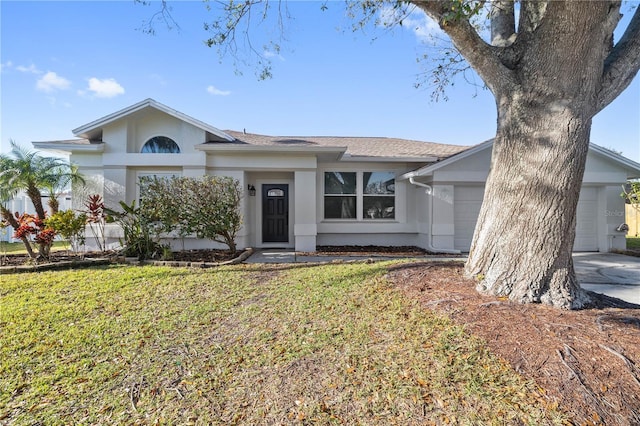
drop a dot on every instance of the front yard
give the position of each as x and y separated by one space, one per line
332 344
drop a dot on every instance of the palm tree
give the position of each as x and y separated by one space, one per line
58 180
24 170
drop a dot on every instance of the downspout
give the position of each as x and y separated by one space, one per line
429 191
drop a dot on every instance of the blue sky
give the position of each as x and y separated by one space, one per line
65 64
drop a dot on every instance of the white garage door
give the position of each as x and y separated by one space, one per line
468 199
586 221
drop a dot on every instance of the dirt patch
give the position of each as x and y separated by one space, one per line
586 362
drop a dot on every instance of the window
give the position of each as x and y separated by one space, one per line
359 195
160 145
378 199
275 193
340 195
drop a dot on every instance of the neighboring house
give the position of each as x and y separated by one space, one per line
22 204
301 192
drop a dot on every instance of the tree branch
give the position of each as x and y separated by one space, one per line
531 14
622 64
503 22
484 58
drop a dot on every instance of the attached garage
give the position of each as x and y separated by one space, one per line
586 221
468 199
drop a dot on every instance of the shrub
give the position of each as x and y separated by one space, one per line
139 238
95 218
208 207
32 226
70 226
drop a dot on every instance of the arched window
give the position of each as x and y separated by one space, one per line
160 145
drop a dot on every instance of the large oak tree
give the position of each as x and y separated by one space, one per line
552 66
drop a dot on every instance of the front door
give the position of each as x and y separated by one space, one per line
275 213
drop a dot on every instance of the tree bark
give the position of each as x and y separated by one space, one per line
524 236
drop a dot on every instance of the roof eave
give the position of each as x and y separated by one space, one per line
632 167
371 158
235 148
428 170
69 148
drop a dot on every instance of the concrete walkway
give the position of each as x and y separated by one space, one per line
615 275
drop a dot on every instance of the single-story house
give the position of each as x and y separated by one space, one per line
302 192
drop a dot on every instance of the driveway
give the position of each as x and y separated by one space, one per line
613 274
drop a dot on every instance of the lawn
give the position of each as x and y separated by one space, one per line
633 243
18 248
332 344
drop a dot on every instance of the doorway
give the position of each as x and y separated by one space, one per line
275 213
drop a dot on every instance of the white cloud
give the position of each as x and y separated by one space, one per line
50 82
7 64
30 69
424 28
105 88
217 92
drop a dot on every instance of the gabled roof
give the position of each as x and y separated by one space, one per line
632 168
355 148
93 130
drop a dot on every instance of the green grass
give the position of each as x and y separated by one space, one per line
248 345
18 248
633 243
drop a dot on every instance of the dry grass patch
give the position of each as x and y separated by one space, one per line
331 344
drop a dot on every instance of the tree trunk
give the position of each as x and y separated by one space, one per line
36 199
524 236
11 220
54 204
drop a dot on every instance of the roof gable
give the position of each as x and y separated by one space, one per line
631 168
93 130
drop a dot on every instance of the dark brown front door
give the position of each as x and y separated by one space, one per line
275 213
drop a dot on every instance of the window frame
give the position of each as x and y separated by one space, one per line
179 150
360 196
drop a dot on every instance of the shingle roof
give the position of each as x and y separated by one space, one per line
356 146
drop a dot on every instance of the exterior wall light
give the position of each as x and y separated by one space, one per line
252 190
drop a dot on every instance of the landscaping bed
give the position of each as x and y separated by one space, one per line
585 362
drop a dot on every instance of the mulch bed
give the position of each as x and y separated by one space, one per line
585 362
55 257
408 251
209 256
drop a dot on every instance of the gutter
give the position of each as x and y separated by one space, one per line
429 192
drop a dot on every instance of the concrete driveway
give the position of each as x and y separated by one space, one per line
613 274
